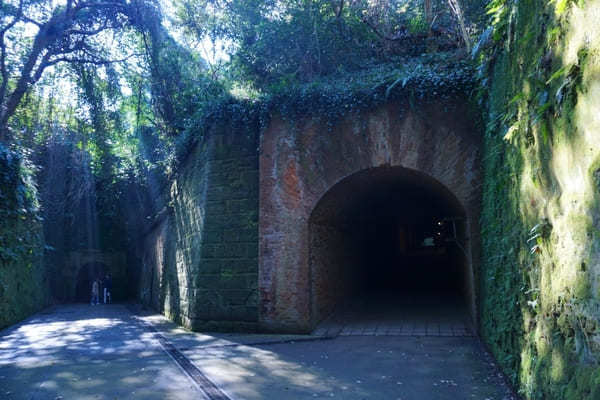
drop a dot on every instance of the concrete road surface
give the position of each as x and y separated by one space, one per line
106 352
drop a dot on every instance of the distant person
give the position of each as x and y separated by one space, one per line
107 288
95 292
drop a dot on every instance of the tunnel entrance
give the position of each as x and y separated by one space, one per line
387 242
86 275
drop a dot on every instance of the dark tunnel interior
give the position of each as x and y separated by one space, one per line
387 235
85 277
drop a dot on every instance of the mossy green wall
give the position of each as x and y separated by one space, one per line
23 284
540 224
200 263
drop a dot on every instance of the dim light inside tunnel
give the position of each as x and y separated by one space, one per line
387 235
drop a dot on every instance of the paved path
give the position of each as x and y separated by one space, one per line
105 352
411 315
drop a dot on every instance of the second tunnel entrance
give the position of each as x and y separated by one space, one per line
388 243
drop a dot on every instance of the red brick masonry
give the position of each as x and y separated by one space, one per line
299 164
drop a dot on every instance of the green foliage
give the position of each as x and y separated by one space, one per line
22 285
539 327
307 41
335 96
276 44
18 195
561 6
331 97
418 25
69 33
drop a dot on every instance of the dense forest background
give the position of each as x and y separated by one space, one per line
99 101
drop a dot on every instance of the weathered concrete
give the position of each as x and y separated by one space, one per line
300 164
356 368
84 352
101 352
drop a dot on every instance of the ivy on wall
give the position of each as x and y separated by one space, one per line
433 76
540 222
23 288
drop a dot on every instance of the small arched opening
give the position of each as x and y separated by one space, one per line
86 275
387 241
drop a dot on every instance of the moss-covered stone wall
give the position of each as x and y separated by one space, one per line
23 283
540 281
200 263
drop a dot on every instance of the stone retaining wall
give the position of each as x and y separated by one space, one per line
200 262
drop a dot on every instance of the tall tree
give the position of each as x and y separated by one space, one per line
37 34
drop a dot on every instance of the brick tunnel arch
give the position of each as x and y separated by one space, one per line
388 235
300 164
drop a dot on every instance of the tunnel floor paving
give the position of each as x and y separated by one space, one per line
119 352
417 314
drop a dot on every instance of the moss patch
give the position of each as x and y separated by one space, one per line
540 298
23 284
405 80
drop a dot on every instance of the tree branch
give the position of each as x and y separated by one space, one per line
340 8
3 70
22 84
87 32
31 21
399 36
63 37
91 61
16 19
40 69
116 5
457 11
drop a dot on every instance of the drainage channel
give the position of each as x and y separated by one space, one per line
203 383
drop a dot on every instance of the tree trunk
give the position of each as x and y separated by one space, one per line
42 40
428 12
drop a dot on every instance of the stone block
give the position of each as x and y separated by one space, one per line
244 313
252 250
236 206
207 304
240 265
214 221
250 178
248 235
208 311
248 162
209 266
209 282
231 250
212 236
221 326
253 300
231 235
216 174
237 281
208 251
235 297
215 193
214 208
